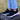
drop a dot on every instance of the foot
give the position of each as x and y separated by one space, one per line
14 9
13 12
7 11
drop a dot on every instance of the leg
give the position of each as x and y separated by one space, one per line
9 5
14 5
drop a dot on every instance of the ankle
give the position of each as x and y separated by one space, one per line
9 9
14 9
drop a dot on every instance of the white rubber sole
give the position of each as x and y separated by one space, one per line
13 15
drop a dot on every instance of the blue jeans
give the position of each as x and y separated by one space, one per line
12 4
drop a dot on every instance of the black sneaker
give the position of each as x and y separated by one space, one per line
6 11
13 12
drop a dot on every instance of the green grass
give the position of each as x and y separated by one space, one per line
18 5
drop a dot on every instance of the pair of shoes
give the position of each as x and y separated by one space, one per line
10 12
13 12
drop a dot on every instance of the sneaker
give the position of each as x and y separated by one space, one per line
6 11
13 12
